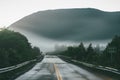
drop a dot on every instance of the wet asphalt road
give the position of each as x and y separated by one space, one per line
53 68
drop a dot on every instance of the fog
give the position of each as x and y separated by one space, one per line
48 45
46 29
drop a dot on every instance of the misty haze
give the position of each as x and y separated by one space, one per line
70 25
60 42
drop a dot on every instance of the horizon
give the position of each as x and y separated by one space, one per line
13 11
20 8
60 39
46 40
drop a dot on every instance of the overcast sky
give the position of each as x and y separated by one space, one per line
13 10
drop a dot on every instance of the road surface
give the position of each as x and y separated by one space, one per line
53 68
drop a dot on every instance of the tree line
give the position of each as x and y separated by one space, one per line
15 48
110 56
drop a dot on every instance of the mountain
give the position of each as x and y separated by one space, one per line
84 24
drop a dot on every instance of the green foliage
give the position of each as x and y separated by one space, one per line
91 55
15 48
109 57
112 53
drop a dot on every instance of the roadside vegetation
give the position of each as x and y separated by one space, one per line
110 56
15 49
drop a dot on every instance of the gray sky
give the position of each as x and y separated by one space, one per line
13 10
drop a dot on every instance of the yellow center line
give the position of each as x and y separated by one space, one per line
57 72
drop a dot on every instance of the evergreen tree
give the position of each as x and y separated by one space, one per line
82 52
112 53
90 54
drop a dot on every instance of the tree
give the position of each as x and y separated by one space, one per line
36 51
91 56
14 48
81 52
70 51
112 53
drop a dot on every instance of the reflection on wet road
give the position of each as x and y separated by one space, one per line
53 68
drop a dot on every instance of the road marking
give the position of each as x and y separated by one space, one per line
57 73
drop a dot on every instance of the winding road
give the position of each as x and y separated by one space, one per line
53 68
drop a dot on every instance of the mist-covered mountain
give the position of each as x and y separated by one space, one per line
85 24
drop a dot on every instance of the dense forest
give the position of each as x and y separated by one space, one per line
15 48
110 56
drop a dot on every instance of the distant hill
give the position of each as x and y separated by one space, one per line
85 24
